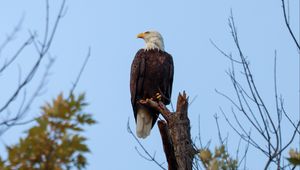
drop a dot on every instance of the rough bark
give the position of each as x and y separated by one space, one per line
167 144
176 133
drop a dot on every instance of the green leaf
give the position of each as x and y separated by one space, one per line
294 161
51 143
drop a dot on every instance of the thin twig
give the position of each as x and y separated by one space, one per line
16 55
286 20
149 157
219 130
81 70
35 67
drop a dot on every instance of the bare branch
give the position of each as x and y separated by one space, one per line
148 156
81 71
286 20
259 117
15 56
23 109
219 131
41 54
229 56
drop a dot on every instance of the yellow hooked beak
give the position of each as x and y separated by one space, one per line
141 35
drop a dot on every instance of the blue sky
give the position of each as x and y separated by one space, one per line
110 28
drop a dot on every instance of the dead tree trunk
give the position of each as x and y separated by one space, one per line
175 133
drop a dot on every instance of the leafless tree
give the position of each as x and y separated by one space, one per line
248 104
19 99
41 49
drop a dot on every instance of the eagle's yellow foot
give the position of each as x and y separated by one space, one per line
158 96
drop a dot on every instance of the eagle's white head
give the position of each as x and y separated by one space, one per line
153 40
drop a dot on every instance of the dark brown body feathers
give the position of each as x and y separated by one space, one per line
151 72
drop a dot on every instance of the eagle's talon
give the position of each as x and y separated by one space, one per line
158 96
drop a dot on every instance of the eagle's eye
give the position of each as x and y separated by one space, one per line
147 32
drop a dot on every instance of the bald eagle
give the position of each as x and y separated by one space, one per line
151 78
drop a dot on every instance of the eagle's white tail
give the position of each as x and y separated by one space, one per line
144 123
